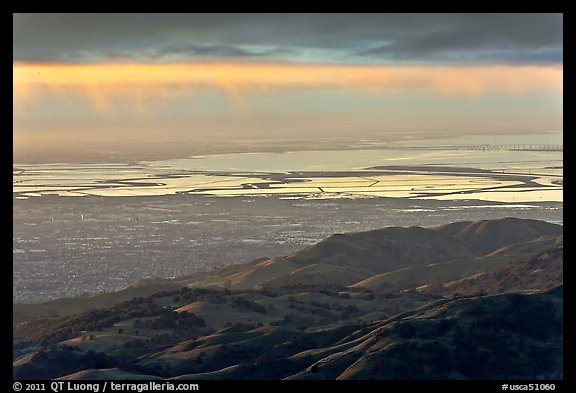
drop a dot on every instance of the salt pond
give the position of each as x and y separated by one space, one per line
400 170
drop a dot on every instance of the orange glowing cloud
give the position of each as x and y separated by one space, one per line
105 84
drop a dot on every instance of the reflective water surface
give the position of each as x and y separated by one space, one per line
397 171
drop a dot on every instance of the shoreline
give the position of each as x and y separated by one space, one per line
148 151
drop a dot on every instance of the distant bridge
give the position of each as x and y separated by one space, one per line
487 147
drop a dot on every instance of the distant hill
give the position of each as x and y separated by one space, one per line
385 249
364 253
394 303
489 235
532 273
443 272
394 248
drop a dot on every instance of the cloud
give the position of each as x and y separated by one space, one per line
320 38
106 85
216 50
551 55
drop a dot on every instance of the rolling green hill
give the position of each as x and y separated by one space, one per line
489 235
384 250
532 273
412 277
395 303
355 257
509 336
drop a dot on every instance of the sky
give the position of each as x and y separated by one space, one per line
88 83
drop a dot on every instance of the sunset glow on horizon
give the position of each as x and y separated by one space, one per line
198 83
133 81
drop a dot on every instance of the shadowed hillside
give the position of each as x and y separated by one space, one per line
527 274
395 303
489 235
509 336
385 249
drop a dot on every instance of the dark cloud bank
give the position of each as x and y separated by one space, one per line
345 38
